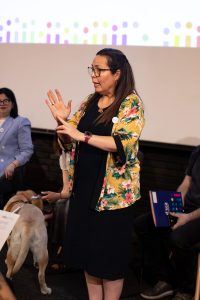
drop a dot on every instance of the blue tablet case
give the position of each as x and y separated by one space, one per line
163 202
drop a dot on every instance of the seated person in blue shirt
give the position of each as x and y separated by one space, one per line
16 146
169 252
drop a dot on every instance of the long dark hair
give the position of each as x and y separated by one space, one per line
11 96
125 86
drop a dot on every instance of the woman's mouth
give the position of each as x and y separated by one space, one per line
96 84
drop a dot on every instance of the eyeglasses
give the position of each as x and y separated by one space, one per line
5 101
96 71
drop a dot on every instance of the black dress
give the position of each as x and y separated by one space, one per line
97 242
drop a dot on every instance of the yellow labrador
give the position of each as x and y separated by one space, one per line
29 233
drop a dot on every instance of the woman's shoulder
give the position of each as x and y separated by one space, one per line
132 100
133 97
22 120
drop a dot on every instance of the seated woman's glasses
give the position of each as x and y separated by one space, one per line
5 101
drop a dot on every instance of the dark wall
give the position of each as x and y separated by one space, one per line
42 172
163 166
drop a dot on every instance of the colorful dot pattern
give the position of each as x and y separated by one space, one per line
175 34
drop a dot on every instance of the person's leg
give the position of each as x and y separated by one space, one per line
154 249
112 289
184 257
95 287
156 267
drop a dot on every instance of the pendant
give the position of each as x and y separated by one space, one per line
100 110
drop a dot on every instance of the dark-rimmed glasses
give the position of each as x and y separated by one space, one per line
96 71
4 101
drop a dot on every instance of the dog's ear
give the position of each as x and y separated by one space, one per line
14 199
6 207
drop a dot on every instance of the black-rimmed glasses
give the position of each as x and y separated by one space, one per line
96 71
4 101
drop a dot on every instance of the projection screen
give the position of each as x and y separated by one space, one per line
49 44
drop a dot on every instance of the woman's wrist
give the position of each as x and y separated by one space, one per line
14 164
60 123
87 136
63 195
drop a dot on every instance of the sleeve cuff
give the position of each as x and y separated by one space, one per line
119 156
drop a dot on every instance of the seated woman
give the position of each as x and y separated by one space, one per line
16 145
60 200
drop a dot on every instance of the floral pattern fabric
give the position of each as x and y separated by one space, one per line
121 185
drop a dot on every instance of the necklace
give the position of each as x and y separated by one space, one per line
100 110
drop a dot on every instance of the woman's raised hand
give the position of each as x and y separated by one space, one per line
57 106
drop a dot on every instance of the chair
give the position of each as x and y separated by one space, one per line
197 288
9 187
58 229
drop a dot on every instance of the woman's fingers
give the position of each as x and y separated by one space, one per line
58 94
59 110
52 97
47 101
69 104
55 98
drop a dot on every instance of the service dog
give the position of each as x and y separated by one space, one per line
29 233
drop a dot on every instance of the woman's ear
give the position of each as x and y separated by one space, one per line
117 74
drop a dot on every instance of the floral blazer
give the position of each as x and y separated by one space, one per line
121 185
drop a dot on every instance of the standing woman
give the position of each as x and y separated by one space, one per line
102 140
16 145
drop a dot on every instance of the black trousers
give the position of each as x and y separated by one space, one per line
167 254
8 187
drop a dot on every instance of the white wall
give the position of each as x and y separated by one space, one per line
166 78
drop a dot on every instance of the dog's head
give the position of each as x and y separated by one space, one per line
31 197
26 196
27 193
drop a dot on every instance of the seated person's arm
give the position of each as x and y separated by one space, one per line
52 197
183 218
64 194
184 186
194 214
65 190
